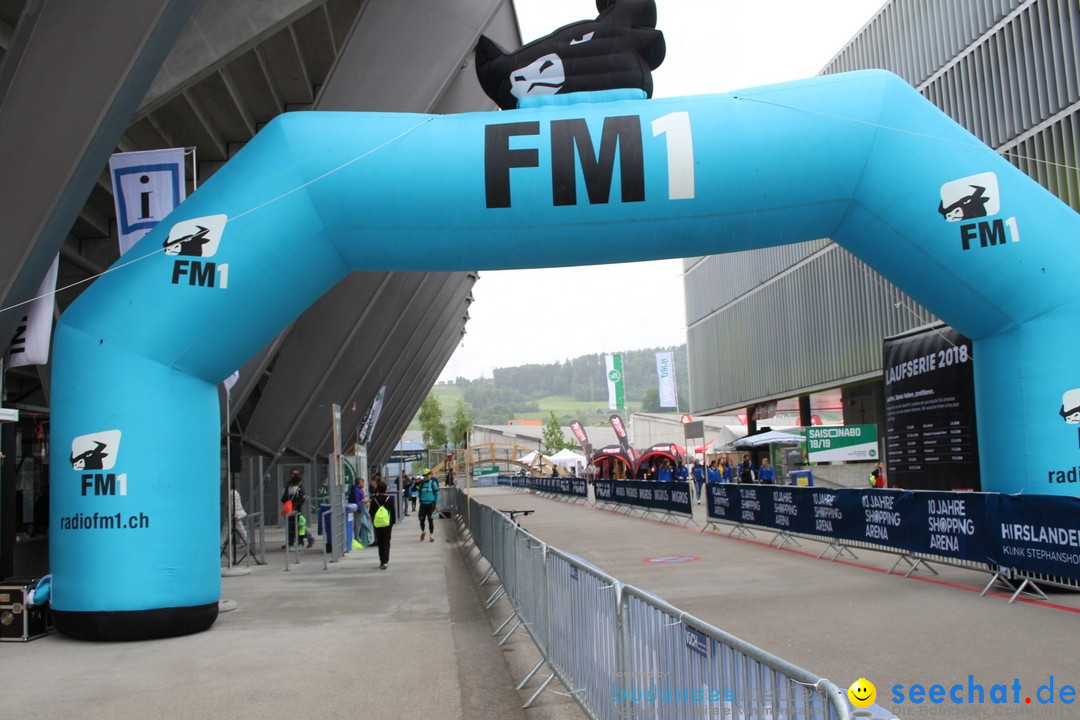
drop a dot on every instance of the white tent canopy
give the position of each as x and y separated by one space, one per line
570 460
535 459
773 437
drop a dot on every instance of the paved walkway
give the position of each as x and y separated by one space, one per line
843 620
414 641
350 642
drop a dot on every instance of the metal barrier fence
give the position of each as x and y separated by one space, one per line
623 652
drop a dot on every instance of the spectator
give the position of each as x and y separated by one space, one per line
379 501
414 489
295 493
358 497
237 524
746 470
698 473
766 473
877 476
664 474
712 475
726 473
428 492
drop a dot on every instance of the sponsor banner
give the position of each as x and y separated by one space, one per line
668 497
755 504
615 384
371 417
582 437
604 490
30 346
665 376
933 523
723 502
949 524
1035 533
147 186
620 432
573 487
831 443
930 434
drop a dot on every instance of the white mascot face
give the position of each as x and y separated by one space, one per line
173 249
1070 406
545 76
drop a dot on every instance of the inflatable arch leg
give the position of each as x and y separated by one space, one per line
860 158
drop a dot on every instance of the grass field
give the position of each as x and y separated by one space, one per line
590 412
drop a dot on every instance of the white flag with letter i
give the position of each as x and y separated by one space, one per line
147 186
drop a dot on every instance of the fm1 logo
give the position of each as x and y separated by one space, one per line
97 451
571 141
977 197
197 238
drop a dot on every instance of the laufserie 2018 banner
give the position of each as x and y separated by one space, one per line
931 439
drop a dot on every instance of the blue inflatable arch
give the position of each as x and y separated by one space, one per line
861 158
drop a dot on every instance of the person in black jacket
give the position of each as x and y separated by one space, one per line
294 492
382 534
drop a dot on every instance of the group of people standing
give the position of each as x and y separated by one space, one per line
717 472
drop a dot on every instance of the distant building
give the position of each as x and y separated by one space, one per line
796 320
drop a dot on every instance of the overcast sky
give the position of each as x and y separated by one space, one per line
713 46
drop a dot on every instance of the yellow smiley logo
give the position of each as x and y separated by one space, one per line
862 693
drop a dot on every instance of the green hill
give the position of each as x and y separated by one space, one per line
575 389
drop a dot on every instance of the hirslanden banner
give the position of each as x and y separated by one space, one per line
147 186
616 391
30 346
665 375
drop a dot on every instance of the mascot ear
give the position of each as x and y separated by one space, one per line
490 59
487 50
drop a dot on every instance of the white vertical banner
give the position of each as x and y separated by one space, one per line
665 375
615 387
367 427
230 382
147 186
30 346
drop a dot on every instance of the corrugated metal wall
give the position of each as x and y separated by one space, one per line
782 321
822 319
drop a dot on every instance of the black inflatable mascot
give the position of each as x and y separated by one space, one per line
619 49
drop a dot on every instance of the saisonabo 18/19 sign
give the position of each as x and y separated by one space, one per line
830 443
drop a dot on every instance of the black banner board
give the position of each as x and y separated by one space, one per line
574 487
930 434
667 497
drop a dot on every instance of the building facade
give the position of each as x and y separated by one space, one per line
795 320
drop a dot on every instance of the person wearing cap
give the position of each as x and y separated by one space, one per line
428 491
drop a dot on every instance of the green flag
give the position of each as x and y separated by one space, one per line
615 388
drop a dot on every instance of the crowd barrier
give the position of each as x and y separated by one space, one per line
1030 538
668 499
622 652
1020 540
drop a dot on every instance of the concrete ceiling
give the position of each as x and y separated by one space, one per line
208 75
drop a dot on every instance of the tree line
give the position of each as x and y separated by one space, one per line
516 391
